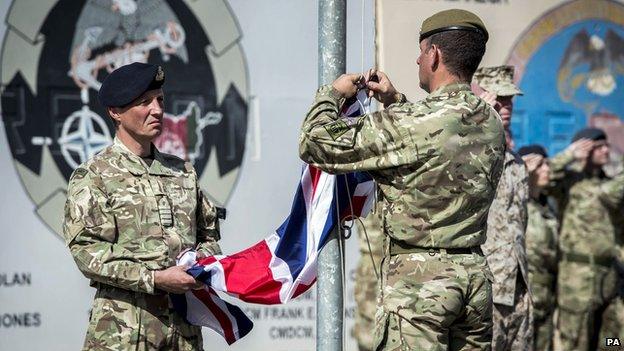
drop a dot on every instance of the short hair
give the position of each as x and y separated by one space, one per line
462 51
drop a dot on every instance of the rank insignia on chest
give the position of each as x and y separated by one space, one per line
164 210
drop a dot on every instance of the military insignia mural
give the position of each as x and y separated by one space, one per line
570 63
56 54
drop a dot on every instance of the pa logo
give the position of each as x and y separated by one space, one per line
55 55
613 342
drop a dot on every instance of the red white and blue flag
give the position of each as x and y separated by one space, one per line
283 265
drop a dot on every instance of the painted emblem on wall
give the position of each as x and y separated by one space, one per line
570 64
56 54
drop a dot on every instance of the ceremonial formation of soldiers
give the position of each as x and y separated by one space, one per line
472 246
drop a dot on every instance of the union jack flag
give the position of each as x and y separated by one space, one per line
284 264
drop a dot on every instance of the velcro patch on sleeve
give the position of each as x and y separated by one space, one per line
337 128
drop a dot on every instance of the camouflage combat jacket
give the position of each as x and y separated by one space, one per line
125 219
371 236
504 248
590 206
437 162
542 251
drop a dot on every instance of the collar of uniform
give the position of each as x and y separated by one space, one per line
512 157
158 166
137 166
450 89
129 160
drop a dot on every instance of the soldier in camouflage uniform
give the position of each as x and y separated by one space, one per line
505 245
437 163
366 290
130 211
541 242
590 205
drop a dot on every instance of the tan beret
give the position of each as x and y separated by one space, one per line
454 19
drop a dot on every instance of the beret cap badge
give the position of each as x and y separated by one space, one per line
160 74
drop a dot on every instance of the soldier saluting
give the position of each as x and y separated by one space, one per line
130 211
437 163
590 207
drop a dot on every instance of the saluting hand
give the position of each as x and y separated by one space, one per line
175 280
489 97
581 149
532 161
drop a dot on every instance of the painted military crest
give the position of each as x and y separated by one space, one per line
57 53
570 64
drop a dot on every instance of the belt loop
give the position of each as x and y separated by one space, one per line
592 261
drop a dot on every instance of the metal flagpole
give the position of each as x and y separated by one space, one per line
332 24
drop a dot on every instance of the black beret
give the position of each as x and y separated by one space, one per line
532 149
128 82
590 133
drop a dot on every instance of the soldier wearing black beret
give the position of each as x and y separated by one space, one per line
130 211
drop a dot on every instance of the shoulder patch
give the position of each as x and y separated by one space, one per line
79 173
337 128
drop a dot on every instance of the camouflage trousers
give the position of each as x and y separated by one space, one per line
544 303
513 325
588 308
434 301
366 292
126 320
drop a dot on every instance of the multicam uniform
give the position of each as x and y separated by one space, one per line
437 164
541 242
366 289
124 219
590 242
506 255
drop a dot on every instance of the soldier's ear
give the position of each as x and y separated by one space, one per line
115 114
436 57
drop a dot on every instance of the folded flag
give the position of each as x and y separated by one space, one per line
205 308
283 265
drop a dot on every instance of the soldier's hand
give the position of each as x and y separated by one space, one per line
489 97
532 161
175 280
581 149
380 87
347 85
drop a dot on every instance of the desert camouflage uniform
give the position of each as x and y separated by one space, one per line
506 255
437 163
541 242
366 290
124 220
590 240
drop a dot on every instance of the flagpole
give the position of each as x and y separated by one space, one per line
332 23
